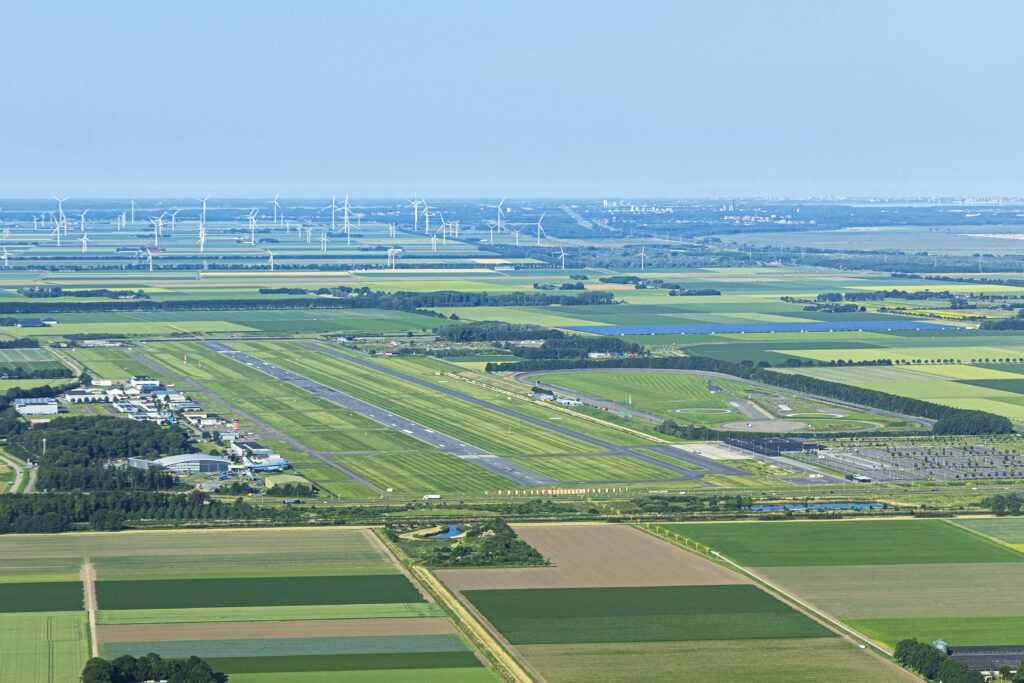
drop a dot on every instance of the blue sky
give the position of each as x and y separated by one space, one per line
241 98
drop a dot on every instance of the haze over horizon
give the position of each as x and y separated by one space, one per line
532 99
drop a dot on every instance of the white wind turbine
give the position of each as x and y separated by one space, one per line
133 212
333 206
643 256
323 242
60 207
540 229
157 225
271 255
391 230
5 256
149 254
309 235
392 254
562 255
82 217
277 205
173 214
252 228
501 215
347 213
56 231
203 200
202 238
433 242
85 242
516 233
426 218
415 204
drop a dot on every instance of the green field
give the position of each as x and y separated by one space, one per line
960 630
469 674
605 468
49 596
663 613
195 615
425 472
778 544
1005 529
291 647
43 646
250 591
354 662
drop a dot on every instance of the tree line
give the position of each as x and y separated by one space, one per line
56 292
495 330
934 664
151 667
949 420
577 346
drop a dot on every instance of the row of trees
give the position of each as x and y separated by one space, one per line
577 347
949 420
494 330
1003 505
57 292
151 667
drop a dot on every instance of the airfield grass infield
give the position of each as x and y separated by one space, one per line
231 590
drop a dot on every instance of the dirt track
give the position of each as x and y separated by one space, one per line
595 555
322 628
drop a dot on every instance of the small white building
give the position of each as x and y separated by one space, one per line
141 382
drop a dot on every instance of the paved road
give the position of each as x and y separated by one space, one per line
461 449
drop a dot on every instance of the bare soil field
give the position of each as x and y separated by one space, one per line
322 628
594 556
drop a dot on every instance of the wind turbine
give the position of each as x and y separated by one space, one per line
333 206
157 223
56 231
7 232
391 230
309 235
392 253
121 221
173 214
415 204
133 212
433 242
202 238
540 229
643 256
516 233
500 216
323 242
444 229
60 206
85 243
203 200
252 227
82 217
5 256
562 255
276 204
271 255
347 213
149 254
35 222
426 218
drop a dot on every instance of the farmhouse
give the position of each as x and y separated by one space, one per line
36 406
188 463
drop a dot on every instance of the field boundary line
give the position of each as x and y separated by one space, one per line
502 662
991 539
88 573
796 603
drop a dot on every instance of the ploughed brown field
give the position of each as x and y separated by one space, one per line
595 556
323 628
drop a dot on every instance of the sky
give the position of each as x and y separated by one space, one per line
519 98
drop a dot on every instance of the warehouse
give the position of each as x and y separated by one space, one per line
188 463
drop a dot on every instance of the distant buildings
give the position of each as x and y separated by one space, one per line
188 463
36 406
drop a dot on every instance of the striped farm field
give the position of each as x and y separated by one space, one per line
1006 529
473 424
289 647
252 591
196 615
442 674
43 646
423 472
606 468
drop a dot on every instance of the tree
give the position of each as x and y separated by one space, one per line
97 670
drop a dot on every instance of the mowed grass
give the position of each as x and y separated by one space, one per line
43 647
1005 529
594 468
255 591
959 630
47 596
780 544
110 363
426 472
473 424
659 393
803 660
198 615
661 613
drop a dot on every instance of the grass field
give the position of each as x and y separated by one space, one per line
469 674
959 630
606 468
424 472
49 596
659 613
775 544
195 615
43 646
354 662
292 647
247 592
1006 529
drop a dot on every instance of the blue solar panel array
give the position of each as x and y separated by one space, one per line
755 328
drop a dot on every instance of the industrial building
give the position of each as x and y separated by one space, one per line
36 406
188 463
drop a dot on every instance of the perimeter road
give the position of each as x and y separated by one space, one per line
460 449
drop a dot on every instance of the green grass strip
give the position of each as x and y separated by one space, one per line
365 662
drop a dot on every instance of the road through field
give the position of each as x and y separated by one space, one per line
460 449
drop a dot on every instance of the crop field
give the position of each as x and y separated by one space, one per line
646 614
605 468
424 472
269 603
775 544
110 363
481 427
1006 529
